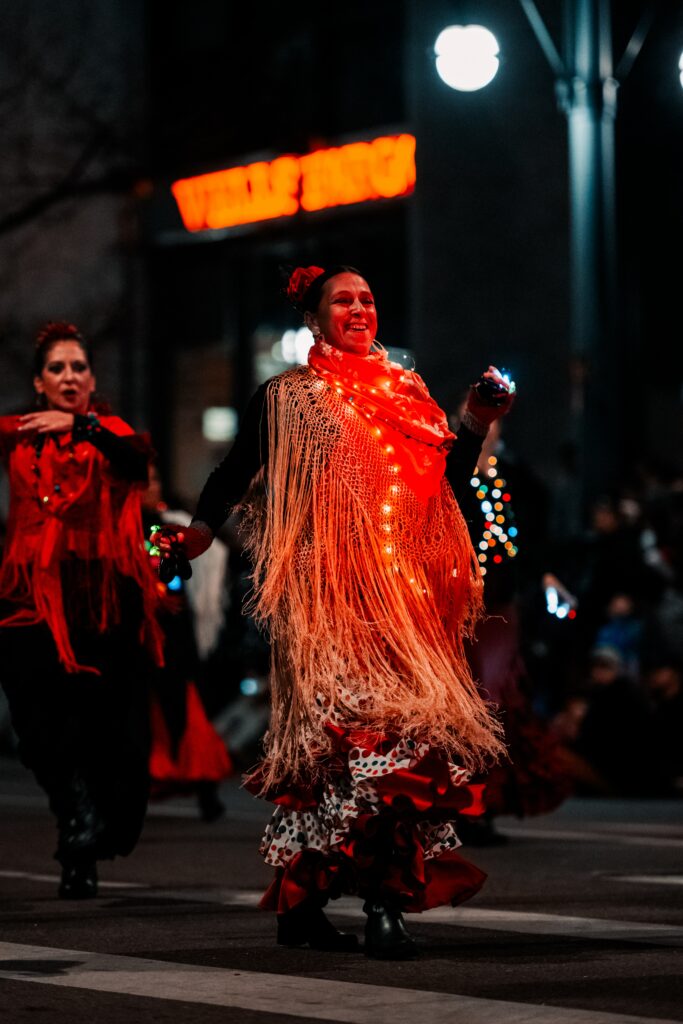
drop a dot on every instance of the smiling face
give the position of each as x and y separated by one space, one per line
346 315
66 380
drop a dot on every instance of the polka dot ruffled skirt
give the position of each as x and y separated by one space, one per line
381 823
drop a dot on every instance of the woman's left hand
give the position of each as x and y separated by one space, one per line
48 421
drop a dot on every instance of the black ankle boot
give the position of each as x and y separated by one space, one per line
386 936
78 823
306 925
79 881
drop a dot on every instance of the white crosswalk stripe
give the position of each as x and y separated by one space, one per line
308 998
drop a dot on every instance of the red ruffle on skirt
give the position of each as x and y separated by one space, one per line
202 756
382 821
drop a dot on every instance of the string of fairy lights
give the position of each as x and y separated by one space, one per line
499 536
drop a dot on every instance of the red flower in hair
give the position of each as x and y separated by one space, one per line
299 282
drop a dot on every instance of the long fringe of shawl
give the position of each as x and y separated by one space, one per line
366 593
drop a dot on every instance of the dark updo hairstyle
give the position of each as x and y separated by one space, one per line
303 285
48 336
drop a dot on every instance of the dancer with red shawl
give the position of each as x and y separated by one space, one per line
366 581
78 633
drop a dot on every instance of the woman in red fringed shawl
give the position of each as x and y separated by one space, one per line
78 634
366 582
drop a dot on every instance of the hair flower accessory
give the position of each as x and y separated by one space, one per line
299 282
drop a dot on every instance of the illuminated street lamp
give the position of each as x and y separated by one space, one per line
587 82
466 57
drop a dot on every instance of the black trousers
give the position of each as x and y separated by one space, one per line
92 728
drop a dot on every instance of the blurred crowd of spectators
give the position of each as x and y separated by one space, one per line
608 674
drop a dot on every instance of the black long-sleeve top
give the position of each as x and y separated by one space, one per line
229 481
128 454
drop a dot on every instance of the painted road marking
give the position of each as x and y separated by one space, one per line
514 921
650 879
564 926
309 998
592 836
56 878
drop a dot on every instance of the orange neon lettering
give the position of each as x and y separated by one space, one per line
314 173
191 200
355 163
354 173
284 178
228 198
392 168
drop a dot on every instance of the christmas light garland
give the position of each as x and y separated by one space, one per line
499 535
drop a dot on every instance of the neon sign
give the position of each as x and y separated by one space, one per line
381 169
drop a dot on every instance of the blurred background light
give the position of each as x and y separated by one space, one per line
219 423
293 346
249 686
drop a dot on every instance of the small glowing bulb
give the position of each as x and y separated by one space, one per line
492 460
386 509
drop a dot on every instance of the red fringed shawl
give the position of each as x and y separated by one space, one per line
67 503
364 574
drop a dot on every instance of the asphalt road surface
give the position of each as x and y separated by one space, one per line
581 921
